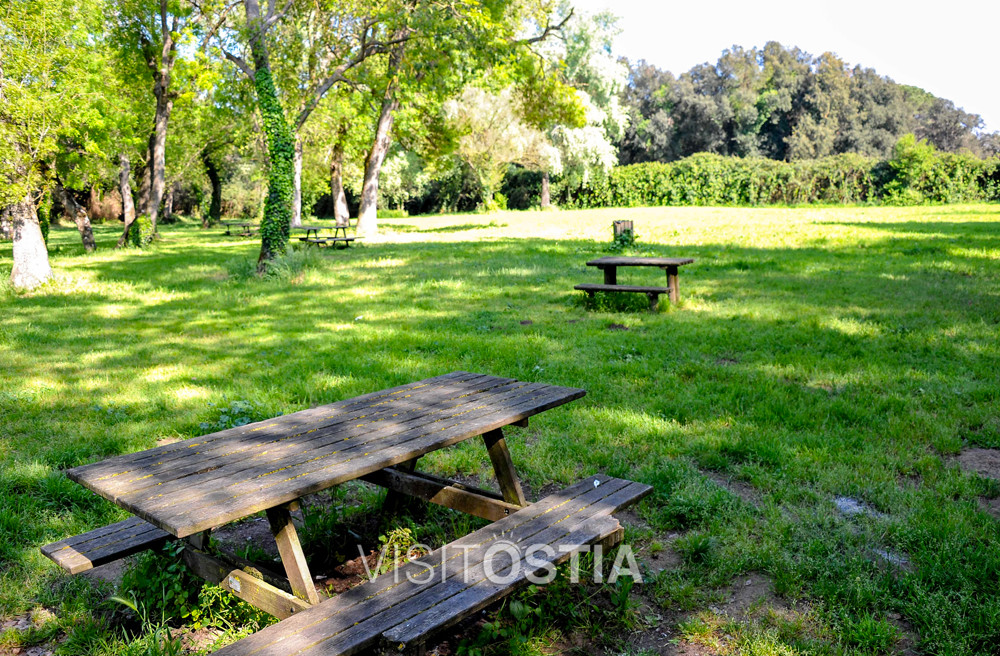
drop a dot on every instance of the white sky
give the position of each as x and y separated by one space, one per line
947 48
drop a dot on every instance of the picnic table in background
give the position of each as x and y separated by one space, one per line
246 229
313 236
609 265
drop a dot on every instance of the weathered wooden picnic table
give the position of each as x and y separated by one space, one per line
246 229
609 265
312 234
185 489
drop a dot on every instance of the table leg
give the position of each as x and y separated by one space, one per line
610 275
503 466
394 499
291 552
672 284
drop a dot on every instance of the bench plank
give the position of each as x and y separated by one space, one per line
643 289
359 618
104 545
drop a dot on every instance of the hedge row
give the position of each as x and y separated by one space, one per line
915 175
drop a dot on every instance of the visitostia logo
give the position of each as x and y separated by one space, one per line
503 563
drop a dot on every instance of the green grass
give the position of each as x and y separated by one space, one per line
816 352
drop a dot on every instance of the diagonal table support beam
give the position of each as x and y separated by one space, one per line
503 466
290 549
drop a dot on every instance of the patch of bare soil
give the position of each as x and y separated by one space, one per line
110 572
617 326
748 594
908 644
743 490
24 623
985 462
254 532
991 506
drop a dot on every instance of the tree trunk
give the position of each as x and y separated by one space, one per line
73 211
297 187
6 228
164 105
215 206
128 209
168 204
368 213
546 195
31 258
280 146
340 212
142 202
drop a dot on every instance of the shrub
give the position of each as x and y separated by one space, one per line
917 173
140 234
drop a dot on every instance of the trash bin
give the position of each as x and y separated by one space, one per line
621 227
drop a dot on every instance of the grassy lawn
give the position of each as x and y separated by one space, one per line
817 354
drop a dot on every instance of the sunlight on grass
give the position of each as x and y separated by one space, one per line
816 352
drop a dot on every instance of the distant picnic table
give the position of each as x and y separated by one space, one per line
313 237
609 265
246 229
185 489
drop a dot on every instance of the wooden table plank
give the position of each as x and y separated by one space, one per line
350 425
206 482
308 450
224 506
276 427
616 261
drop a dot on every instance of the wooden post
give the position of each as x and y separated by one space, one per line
291 552
503 466
393 499
610 274
672 284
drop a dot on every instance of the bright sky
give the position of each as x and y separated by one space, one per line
946 48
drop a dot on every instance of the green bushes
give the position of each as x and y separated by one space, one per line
916 174
140 234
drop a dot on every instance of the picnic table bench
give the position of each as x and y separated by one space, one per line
609 265
185 489
246 229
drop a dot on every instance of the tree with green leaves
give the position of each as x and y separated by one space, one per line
44 52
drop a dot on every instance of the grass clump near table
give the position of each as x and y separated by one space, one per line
820 353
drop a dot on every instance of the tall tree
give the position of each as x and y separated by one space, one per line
43 49
152 29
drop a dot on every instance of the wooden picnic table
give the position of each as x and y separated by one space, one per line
609 265
246 228
199 484
312 234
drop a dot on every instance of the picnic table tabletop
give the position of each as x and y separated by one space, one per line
617 261
202 483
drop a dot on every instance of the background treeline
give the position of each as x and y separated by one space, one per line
773 125
784 104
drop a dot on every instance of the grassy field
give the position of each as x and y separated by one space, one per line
817 355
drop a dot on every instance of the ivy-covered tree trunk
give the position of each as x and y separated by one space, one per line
128 207
215 206
31 258
341 214
280 147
